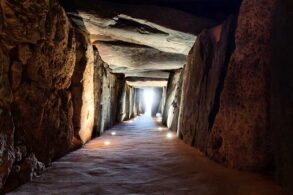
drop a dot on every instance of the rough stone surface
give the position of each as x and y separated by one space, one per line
125 57
37 61
157 97
163 100
98 88
168 114
204 75
111 93
128 40
82 89
133 30
152 11
148 74
176 104
128 103
240 137
6 144
138 104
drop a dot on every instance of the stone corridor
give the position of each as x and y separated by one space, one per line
140 159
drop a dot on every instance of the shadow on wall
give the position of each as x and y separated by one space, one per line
282 93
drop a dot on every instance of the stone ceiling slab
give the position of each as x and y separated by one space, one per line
140 84
149 74
123 57
138 31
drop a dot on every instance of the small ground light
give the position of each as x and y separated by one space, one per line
130 121
160 128
107 143
169 135
113 133
158 115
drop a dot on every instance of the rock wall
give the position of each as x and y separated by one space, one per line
163 100
124 106
82 88
135 102
176 104
46 88
98 84
282 93
131 103
241 136
157 98
203 79
138 102
171 99
112 89
225 110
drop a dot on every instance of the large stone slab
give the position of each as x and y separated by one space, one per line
241 136
203 79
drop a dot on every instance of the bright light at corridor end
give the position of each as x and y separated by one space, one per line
148 100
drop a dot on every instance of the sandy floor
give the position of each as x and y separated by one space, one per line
141 160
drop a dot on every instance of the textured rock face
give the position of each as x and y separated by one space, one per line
38 57
82 88
171 98
7 151
98 84
125 57
203 78
137 31
176 103
128 40
157 98
127 103
282 93
112 90
240 136
138 107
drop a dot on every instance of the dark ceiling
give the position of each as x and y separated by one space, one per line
216 10
213 9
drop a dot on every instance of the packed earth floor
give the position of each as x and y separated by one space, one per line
142 159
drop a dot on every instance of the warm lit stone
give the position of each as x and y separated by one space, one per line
38 58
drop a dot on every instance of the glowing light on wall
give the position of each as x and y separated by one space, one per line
148 100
